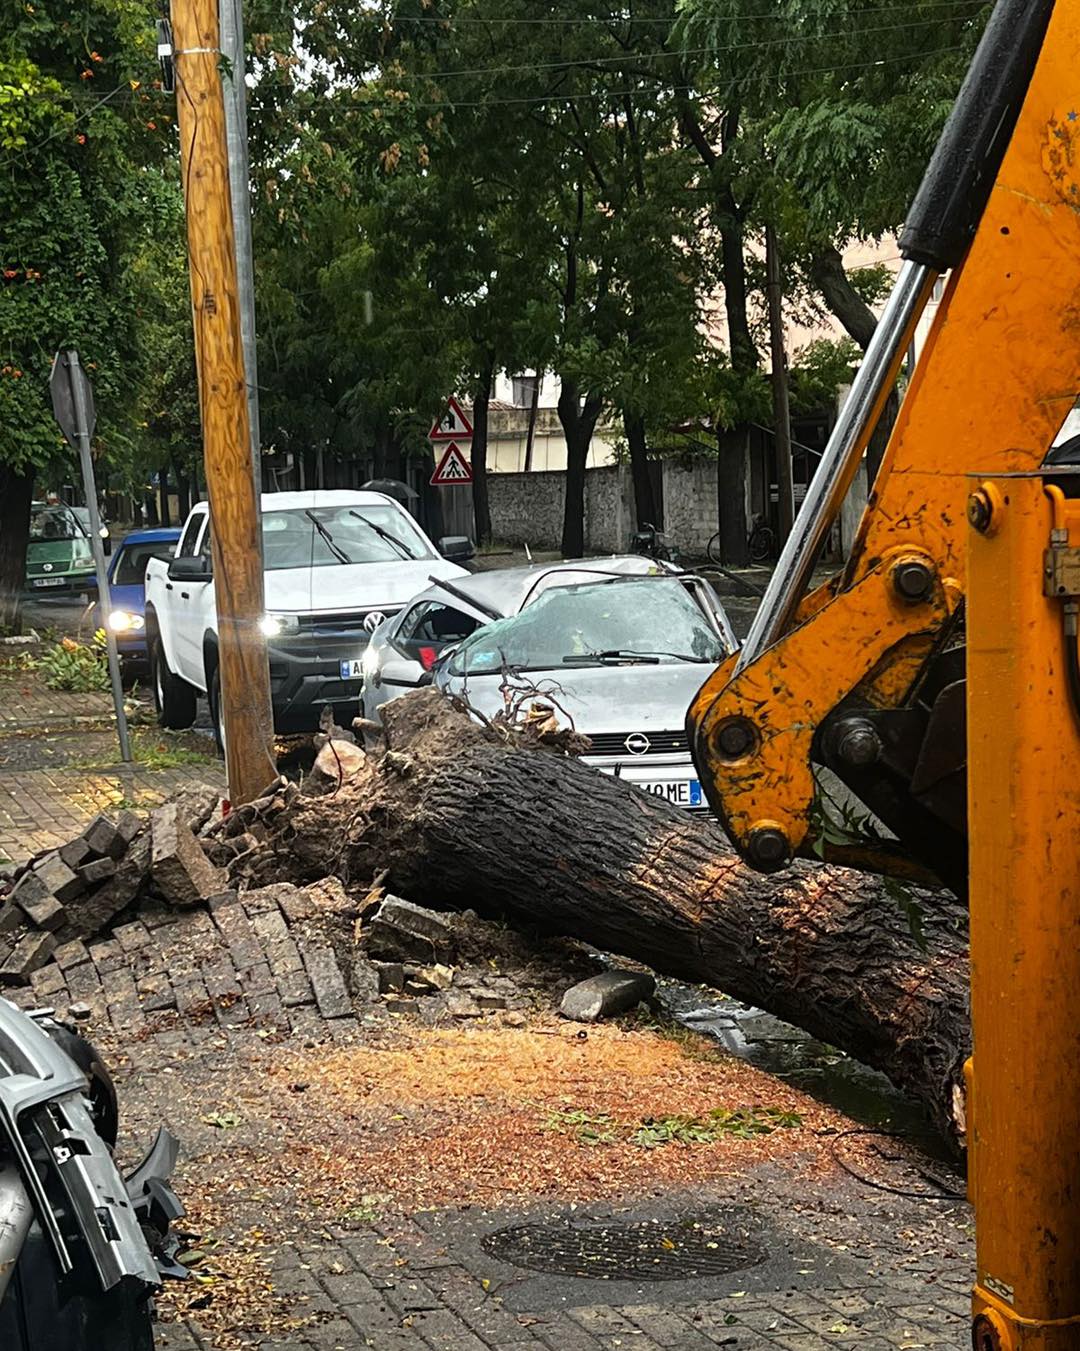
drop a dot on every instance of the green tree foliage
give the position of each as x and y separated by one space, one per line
83 202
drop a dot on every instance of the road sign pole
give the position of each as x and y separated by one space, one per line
80 408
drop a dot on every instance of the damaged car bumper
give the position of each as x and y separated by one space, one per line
77 1242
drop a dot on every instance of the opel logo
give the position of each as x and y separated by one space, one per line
637 743
46 567
373 620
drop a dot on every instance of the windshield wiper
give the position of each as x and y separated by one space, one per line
338 552
403 549
614 656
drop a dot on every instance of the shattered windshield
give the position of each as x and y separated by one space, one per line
53 523
636 620
318 537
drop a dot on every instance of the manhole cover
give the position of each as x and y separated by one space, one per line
647 1250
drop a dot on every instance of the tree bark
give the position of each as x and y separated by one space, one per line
464 816
828 275
481 399
164 514
578 423
644 499
779 374
732 471
16 494
534 407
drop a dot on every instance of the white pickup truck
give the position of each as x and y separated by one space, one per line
336 565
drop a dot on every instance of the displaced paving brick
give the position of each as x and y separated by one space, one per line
103 838
181 870
64 884
295 905
605 995
91 913
32 895
391 977
222 900
327 981
31 952
96 871
75 852
403 932
128 826
71 954
11 918
48 981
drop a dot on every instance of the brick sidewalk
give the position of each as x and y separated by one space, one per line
197 1011
42 809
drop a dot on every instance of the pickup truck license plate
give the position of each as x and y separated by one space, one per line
351 670
679 792
48 581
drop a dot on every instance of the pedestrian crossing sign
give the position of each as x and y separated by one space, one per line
452 469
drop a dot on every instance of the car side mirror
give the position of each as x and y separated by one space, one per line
457 548
190 569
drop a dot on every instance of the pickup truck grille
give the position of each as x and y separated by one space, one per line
343 622
660 743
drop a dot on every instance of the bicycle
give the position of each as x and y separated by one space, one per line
761 543
652 543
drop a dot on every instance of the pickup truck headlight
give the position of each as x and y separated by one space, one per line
273 626
124 621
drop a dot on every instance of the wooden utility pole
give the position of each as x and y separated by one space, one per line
781 409
234 507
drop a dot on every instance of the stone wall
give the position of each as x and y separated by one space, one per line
528 509
690 516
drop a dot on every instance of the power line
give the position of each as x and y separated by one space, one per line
639 91
625 57
634 19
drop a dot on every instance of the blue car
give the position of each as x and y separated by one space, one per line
127 571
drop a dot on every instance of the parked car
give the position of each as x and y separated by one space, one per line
77 1271
58 557
336 565
404 649
619 659
82 515
127 594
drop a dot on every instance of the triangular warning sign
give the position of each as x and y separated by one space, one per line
453 468
452 426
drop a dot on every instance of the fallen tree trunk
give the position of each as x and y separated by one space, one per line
467 817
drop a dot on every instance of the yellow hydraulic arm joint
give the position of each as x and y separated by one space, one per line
998 374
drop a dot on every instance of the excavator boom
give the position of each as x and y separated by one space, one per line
938 675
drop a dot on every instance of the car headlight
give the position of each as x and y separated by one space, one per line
124 621
273 626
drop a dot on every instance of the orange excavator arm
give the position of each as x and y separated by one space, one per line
865 676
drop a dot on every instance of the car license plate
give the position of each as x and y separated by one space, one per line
351 670
679 792
48 581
